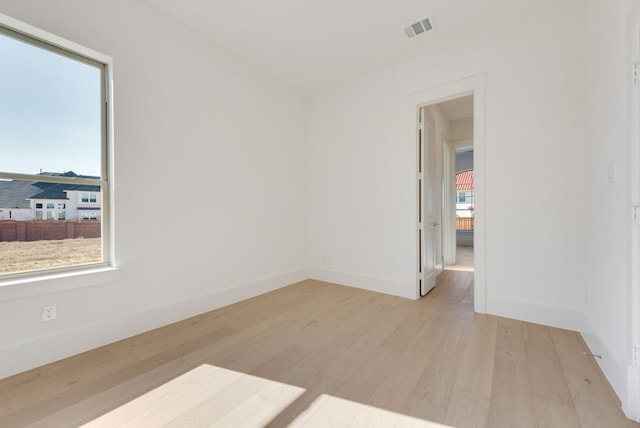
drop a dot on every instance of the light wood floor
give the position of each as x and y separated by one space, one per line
318 354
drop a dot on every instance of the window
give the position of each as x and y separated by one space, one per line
89 198
54 145
462 197
90 215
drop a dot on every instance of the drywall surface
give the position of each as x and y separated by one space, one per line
210 170
359 198
608 199
462 129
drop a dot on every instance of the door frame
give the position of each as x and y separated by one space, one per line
448 205
632 404
474 85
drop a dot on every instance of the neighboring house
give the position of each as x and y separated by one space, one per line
29 200
464 194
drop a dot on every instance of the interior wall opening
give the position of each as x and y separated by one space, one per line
473 87
446 190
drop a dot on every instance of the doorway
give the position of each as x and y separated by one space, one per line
445 188
423 101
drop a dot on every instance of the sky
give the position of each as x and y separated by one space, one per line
49 111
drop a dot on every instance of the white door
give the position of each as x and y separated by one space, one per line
428 225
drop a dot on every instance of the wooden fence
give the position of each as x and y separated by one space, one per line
464 223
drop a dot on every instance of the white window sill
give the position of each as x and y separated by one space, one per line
18 288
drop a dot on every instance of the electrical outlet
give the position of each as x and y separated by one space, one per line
48 313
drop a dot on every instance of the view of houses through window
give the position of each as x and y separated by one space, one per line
464 200
26 201
53 167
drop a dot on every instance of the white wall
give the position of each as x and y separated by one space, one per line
200 127
608 209
197 132
534 156
462 129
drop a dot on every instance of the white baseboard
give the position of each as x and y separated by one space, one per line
567 318
24 356
622 377
631 406
371 283
479 299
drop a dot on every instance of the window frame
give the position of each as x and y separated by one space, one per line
39 278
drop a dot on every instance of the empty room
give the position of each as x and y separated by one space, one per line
320 213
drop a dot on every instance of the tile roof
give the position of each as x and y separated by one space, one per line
464 180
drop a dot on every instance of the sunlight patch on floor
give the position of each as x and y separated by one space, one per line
205 396
213 396
329 411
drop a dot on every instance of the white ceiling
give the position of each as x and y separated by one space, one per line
458 108
314 44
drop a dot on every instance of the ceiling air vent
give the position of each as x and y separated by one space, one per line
418 28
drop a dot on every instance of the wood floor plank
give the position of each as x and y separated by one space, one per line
368 376
337 412
100 378
15 390
545 372
595 406
315 386
436 383
88 409
169 400
552 414
352 318
39 402
249 354
469 403
402 380
303 352
511 403
400 338
467 409
326 411
249 401
476 369
303 372
276 366
218 349
350 349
